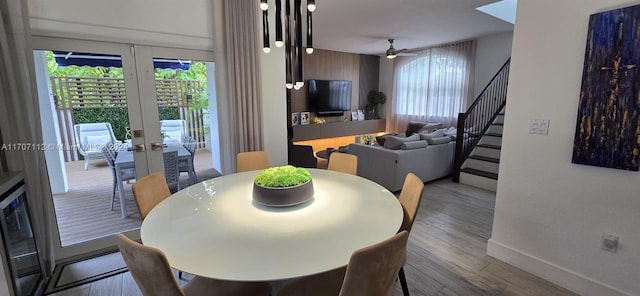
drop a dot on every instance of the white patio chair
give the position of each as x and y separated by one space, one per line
174 129
91 137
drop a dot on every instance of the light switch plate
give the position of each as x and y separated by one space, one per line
539 126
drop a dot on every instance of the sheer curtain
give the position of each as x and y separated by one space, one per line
20 119
243 58
433 85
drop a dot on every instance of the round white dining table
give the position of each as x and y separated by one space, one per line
215 229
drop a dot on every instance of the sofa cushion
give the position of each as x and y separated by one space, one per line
439 140
414 145
435 134
394 142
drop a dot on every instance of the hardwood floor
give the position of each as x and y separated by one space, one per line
446 252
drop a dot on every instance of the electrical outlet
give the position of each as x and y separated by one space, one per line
609 243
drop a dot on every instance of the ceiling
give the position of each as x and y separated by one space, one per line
363 26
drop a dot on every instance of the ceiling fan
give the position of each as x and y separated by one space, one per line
392 53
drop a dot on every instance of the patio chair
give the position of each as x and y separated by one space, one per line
189 144
91 137
171 173
174 129
110 152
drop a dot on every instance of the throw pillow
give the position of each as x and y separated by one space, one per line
95 143
380 139
435 134
438 141
395 142
414 145
430 127
413 127
452 132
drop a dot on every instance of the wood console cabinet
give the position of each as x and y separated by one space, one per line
337 129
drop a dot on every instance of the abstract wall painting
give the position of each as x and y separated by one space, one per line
608 124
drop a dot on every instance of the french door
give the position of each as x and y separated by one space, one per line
129 96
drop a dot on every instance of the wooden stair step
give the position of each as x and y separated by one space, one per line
480 173
489 146
485 158
493 135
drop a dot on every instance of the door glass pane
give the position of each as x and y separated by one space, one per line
83 102
185 122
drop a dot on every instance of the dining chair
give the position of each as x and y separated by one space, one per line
110 152
343 162
91 137
150 269
150 191
371 271
410 198
171 172
183 165
251 161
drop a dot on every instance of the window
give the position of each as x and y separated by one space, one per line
433 85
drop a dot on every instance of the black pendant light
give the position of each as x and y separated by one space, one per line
292 36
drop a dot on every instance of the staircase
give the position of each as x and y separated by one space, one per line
481 167
477 156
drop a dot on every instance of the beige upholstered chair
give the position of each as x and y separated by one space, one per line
371 271
150 191
251 161
151 271
343 162
410 198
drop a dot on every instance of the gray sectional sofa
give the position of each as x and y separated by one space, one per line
389 167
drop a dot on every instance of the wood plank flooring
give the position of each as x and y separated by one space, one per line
84 212
446 252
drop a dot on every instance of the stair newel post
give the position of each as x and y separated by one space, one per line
458 159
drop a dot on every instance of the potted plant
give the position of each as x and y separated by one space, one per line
375 99
283 186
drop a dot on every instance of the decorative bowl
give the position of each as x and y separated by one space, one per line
283 196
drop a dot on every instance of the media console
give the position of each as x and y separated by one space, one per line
337 129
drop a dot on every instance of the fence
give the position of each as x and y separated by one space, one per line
75 94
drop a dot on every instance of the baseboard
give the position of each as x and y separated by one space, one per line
566 278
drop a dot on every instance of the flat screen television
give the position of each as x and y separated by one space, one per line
329 97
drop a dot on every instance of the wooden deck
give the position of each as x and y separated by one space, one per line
84 212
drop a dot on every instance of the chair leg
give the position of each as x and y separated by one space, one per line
86 163
113 195
180 275
403 282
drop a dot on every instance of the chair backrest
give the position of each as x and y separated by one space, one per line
90 137
302 156
174 129
150 191
171 170
149 268
343 162
410 198
190 144
372 270
251 161
109 151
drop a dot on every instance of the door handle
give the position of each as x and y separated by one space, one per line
139 148
156 146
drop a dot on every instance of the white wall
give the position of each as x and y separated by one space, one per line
274 99
550 214
386 86
183 24
492 51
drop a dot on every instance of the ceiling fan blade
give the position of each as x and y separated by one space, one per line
406 54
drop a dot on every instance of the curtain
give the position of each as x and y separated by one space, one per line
243 61
20 120
433 85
